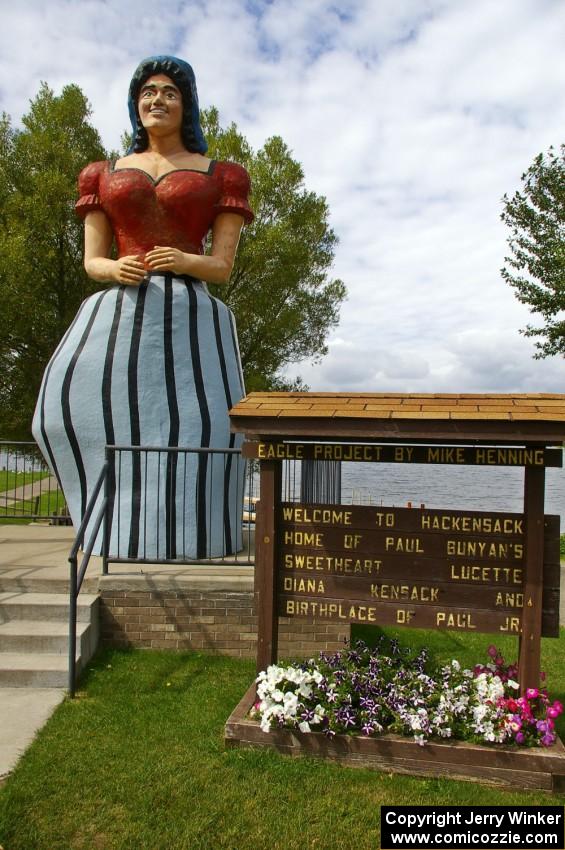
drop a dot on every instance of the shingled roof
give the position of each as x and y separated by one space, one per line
524 417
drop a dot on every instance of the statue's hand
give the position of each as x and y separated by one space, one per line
166 260
130 270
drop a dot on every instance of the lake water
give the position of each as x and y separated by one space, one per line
458 488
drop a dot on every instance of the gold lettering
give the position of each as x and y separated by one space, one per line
511 624
482 549
304 538
510 457
333 564
409 545
387 519
280 451
301 585
454 620
403 616
477 572
446 454
471 524
414 592
319 516
351 541
510 600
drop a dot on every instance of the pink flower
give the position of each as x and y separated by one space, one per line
492 651
532 693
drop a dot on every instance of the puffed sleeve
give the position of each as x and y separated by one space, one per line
236 187
88 181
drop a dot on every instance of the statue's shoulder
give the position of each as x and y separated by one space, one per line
88 181
234 176
235 189
89 177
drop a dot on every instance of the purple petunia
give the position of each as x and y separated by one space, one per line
364 691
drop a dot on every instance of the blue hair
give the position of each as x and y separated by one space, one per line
183 77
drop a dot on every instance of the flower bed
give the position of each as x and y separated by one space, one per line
369 692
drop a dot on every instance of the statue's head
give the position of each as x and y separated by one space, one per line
182 76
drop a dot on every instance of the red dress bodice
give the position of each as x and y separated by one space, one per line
177 210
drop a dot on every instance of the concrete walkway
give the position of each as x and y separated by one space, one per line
26 492
23 711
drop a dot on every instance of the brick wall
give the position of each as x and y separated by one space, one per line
213 613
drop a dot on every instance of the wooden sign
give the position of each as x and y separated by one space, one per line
358 453
460 570
451 569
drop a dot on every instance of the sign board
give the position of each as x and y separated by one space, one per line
461 570
440 576
359 453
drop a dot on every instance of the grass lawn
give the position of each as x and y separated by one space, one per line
42 504
138 761
11 480
23 513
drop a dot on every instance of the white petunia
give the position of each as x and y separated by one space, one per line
290 701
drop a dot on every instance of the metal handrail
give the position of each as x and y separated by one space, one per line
76 576
102 520
174 449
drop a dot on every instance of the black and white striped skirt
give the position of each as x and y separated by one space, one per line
154 366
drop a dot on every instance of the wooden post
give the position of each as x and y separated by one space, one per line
530 643
265 562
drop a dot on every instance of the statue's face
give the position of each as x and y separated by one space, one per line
160 104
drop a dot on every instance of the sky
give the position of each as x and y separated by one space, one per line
412 117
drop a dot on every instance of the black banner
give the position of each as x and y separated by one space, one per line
372 453
471 826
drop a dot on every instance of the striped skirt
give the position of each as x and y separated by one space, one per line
154 366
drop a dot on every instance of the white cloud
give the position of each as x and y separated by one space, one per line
413 117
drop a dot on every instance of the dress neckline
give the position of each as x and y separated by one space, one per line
155 181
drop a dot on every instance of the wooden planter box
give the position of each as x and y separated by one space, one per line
502 766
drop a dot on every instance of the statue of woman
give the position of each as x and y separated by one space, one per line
153 359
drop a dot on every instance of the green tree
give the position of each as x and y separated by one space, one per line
42 280
536 266
280 290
